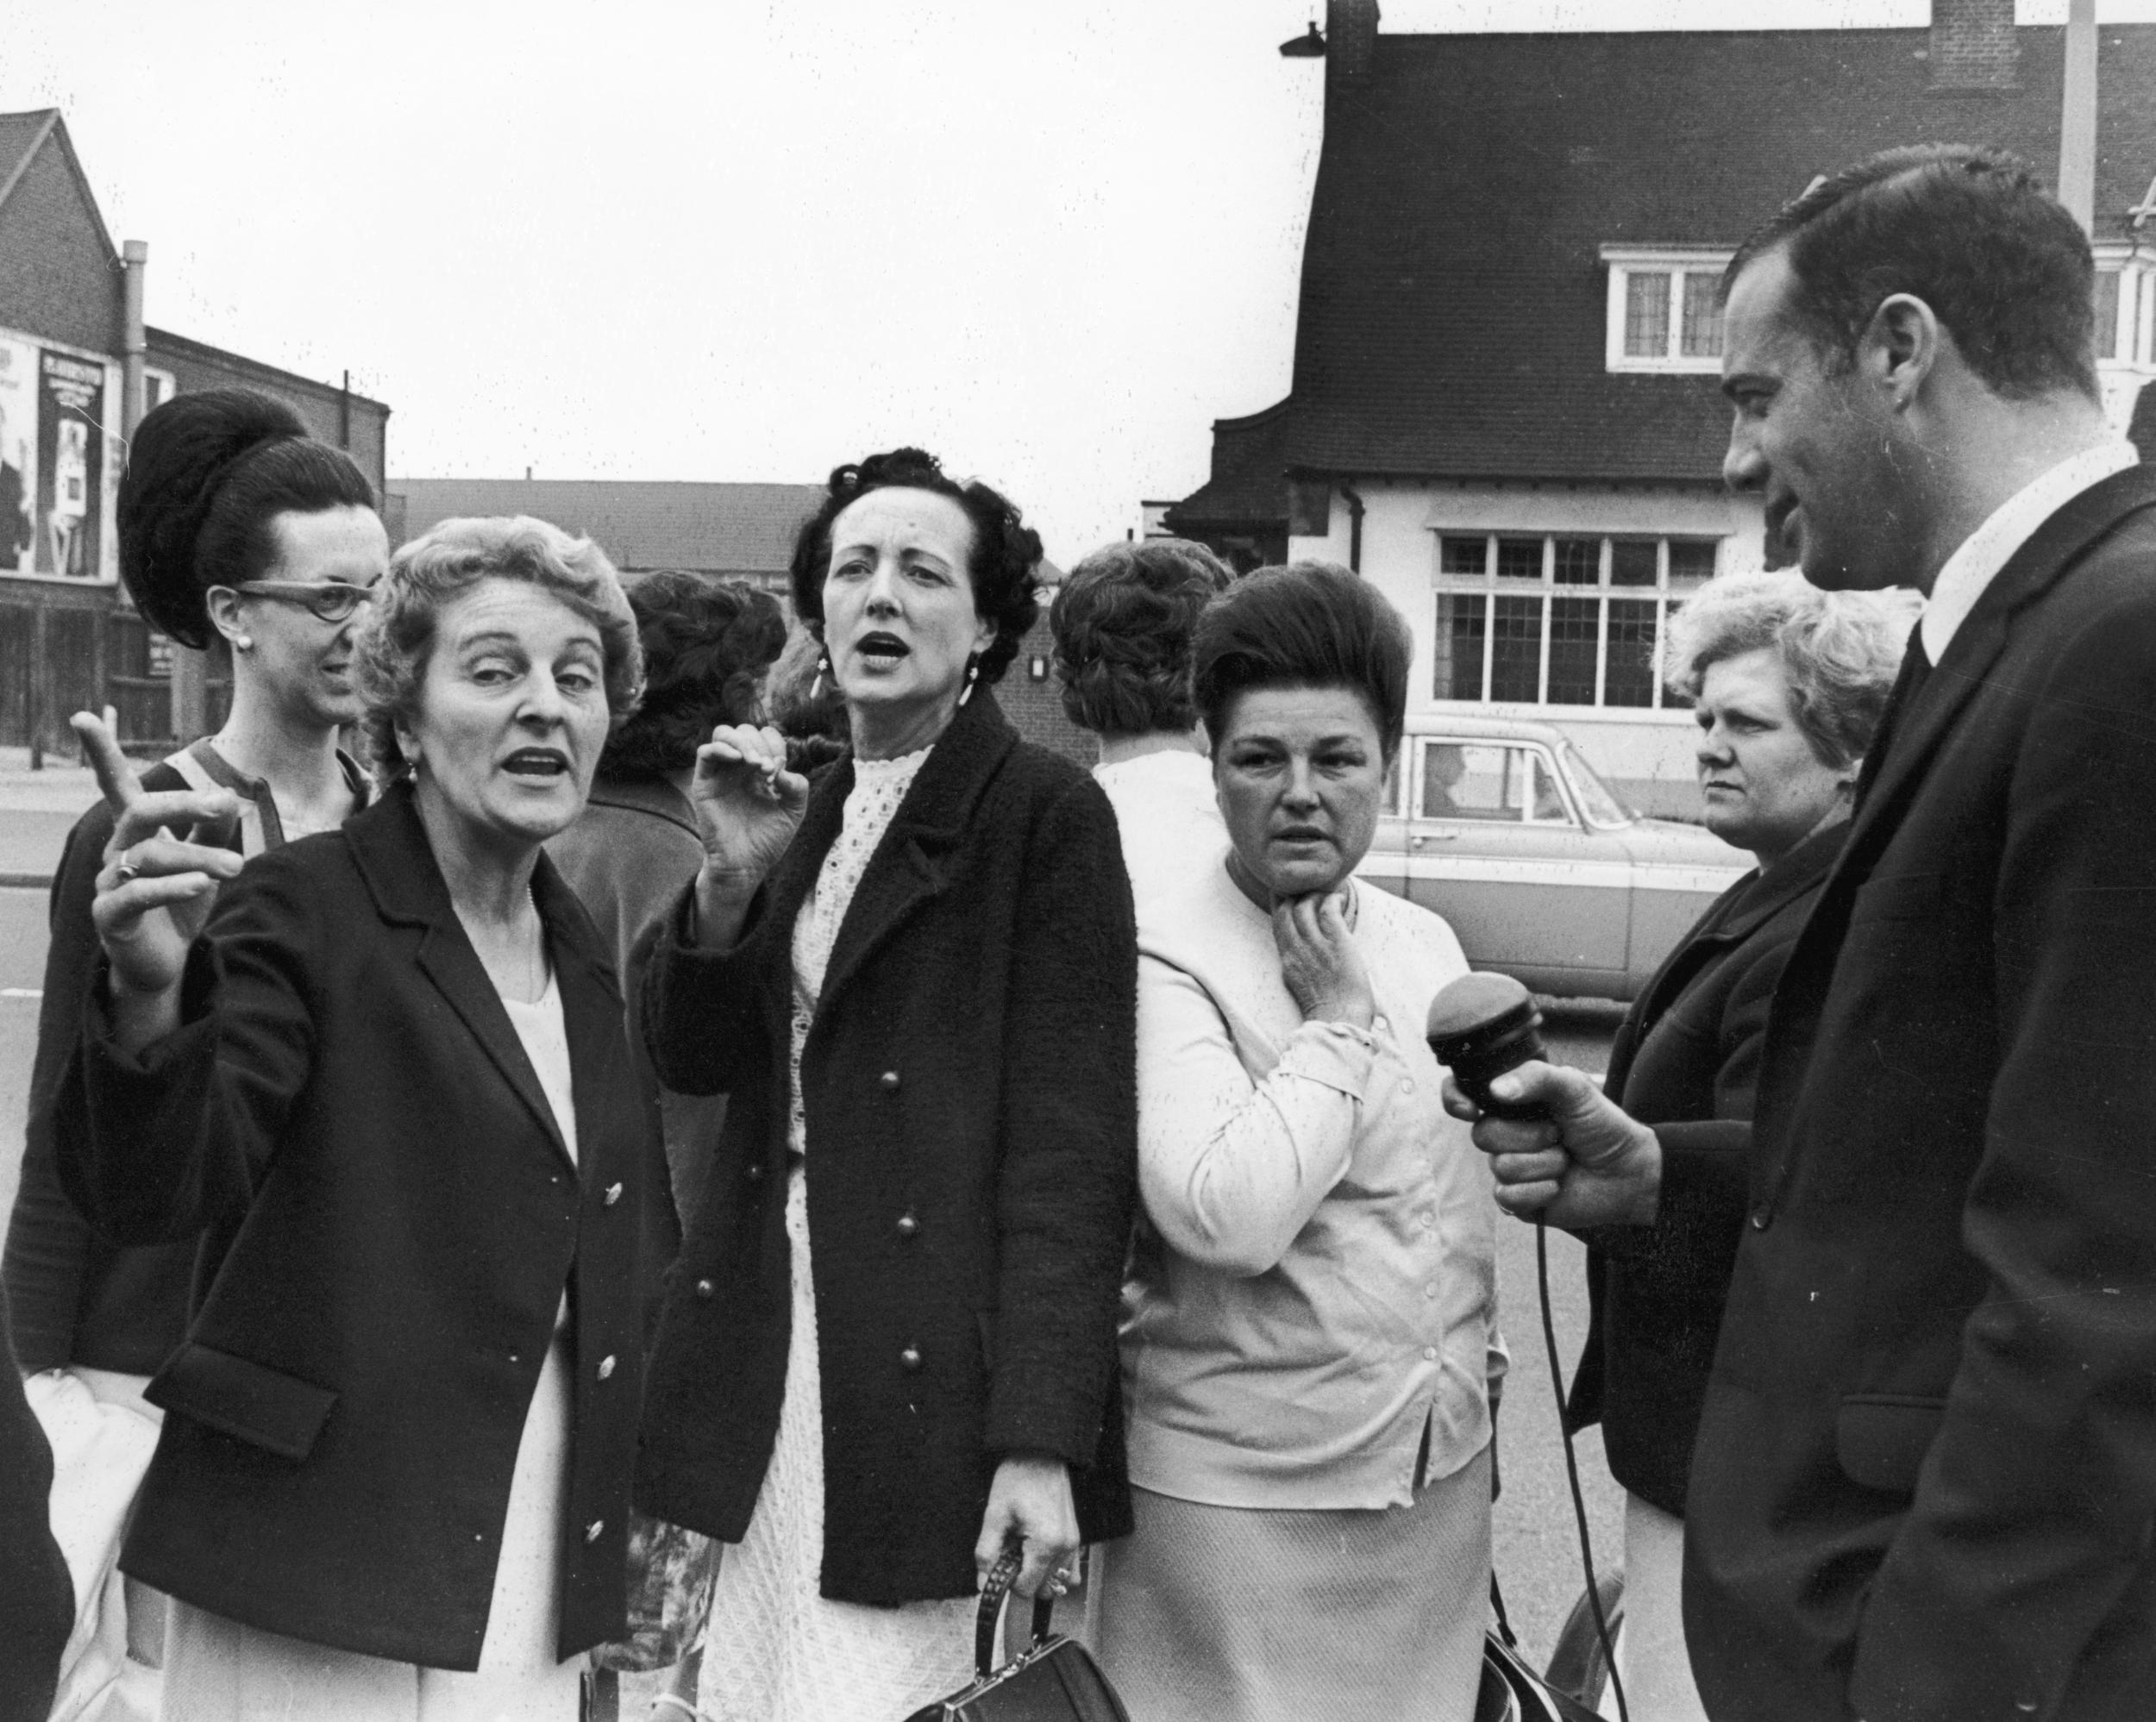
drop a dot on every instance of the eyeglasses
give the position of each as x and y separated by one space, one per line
332 600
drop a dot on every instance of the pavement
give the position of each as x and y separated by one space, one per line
36 810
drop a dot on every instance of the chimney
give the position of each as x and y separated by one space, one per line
1973 46
2077 116
1351 43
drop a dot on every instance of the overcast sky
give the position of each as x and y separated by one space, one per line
1050 240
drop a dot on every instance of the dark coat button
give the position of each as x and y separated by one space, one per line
908 1225
704 1288
911 1357
889 1079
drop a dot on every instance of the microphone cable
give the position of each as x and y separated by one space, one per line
1572 1471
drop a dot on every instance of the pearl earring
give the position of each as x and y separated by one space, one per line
245 642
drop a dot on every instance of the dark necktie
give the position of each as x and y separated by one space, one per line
1916 669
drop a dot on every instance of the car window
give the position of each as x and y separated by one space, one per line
1487 782
1603 808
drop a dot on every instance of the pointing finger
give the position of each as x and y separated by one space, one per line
117 780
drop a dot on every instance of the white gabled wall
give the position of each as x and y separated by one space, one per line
1647 753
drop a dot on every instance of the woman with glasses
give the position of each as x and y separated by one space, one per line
238 530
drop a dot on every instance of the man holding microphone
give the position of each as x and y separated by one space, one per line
1924 1485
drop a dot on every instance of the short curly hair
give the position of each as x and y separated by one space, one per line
1841 651
1006 551
392 643
1122 625
707 644
1310 624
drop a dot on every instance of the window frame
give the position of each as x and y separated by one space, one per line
1683 265
2134 308
1415 782
1489 586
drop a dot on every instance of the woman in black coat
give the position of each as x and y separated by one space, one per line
890 1342
389 1089
1787 683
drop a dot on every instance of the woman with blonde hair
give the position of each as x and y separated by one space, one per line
388 1088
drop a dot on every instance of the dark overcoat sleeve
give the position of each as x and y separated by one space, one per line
703 1020
2034 1506
158 1146
37 1598
1068 1180
49 1244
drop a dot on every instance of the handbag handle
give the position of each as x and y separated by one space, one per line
1001 1577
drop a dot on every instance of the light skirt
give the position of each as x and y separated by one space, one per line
219 1670
779 1651
1651 1654
1238 1614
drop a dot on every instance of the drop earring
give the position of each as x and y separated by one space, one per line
816 688
973 675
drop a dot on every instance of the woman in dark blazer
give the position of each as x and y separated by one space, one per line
890 1342
389 1087
1787 683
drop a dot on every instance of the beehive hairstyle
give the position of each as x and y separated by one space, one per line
207 474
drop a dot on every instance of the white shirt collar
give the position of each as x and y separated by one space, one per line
1972 567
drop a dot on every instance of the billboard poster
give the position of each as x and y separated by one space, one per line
18 455
60 458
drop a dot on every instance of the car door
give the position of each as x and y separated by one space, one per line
1495 846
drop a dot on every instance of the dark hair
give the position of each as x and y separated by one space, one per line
1122 624
803 705
1971 233
1310 624
1006 551
707 644
207 474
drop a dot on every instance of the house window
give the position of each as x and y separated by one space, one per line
2125 307
1665 310
1559 620
157 389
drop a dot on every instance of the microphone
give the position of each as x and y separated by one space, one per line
1480 1027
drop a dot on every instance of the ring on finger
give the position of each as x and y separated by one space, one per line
126 870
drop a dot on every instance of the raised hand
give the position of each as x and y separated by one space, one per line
747 807
1323 970
1587 1163
155 890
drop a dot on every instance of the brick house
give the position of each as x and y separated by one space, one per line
1505 407
68 636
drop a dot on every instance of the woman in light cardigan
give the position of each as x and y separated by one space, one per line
1309 1337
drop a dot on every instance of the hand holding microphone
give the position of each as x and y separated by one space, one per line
1561 1151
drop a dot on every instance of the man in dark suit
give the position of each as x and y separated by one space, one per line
1924 1485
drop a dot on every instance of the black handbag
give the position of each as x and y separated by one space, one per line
1053 1680
1513 1692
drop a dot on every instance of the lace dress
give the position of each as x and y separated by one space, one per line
778 1650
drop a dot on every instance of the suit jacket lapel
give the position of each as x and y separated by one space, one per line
1978 643
392 847
591 1002
913 863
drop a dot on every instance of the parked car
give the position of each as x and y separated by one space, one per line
1503 829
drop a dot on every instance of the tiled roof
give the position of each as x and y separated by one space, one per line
20 136
724 529
1247 483
1452 306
